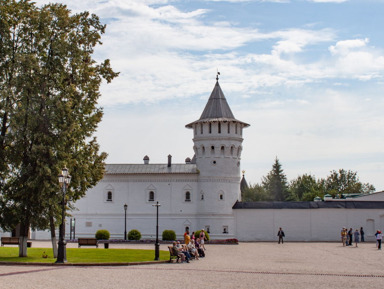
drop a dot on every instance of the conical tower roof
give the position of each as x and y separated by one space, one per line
217 108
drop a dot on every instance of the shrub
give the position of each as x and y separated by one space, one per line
197 235
102 235
134 235
169 235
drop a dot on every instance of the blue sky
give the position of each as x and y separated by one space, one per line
306 75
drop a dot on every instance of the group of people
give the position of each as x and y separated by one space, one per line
347 236
193 248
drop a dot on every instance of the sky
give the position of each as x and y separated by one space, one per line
307 75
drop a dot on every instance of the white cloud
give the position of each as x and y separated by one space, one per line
343 47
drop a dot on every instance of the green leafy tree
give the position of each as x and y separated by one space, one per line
304 188
275 183
49 88
346 182
255 193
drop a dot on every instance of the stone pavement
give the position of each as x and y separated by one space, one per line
247 265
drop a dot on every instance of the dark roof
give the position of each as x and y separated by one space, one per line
217 108
129 169
311 205
243 184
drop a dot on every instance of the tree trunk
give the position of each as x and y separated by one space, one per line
53 236
24 229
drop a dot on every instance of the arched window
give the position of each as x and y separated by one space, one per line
222 150
151 196
203 150
187 196
221 196
109 196
213 150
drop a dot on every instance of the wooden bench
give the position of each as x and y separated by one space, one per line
88 242
12 241
172 255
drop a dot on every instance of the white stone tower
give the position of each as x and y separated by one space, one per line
217 145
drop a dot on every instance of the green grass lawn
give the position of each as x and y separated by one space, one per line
88 255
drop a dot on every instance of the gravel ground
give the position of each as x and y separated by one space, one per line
247 265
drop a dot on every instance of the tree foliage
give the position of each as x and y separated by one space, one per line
274 186
275 183
304 188
49 88
255 193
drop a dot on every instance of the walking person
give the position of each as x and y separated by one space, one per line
356 235
281 235
362 234
379 237
350 233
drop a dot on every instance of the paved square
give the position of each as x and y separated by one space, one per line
247 265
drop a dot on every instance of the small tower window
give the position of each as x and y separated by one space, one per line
219 127
109 196
187 196
202 197
236 128
201 128
229 127
213 150
221 196
232 148
195 130
203 149
210 127
151 196
222 150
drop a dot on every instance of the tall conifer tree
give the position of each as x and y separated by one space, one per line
275 182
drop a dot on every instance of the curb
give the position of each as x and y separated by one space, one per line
81 264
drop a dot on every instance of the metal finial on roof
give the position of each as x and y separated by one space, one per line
217 75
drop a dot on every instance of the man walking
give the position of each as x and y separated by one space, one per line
379 237
281 235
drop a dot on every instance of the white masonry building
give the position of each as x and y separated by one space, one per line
197 194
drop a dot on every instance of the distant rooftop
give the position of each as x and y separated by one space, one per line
310 205
131 169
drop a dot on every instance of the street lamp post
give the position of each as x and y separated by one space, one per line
125 222
64 181
157 245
